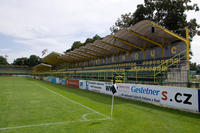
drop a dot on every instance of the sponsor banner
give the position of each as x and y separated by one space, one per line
60 81
72 83
63 81
175 97
45 78
30 76
6 74
181 98
49 79
57 80
53 80
96 86
102 87
20 75
17 75
37 77
107 88
83 84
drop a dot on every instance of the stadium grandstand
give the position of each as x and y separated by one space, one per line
144 53
14 70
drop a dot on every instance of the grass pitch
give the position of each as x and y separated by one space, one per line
28 105
13 71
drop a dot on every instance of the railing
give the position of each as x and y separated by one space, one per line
166 64
146 72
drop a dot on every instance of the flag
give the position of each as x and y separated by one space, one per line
113 89
114 76
44 52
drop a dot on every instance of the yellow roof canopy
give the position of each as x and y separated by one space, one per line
53 59
143 35
41 67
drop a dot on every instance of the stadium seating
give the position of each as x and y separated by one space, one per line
134 54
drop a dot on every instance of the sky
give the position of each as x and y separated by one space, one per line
29 26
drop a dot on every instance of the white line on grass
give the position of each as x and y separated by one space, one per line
65 122
84 115
66 98
52 123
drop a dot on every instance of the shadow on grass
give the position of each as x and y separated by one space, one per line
106 99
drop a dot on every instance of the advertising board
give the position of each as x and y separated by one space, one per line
53 80
49 79
83 84
97 86
174 97
181 98
46 78
57 80
72 83
63 81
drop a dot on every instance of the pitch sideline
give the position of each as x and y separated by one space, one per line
53 123
68 99
65 122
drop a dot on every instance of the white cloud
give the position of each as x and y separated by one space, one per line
3 50
42 43
56 24
195 46
28 19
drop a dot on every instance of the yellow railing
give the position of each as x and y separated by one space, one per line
165 65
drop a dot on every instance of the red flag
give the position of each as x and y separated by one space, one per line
44 52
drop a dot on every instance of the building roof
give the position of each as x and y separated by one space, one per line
53 59
41 67
143 35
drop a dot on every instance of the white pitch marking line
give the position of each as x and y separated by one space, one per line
84 115
52 123
66 98
65 122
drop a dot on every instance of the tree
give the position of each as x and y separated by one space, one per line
193 66
33 60
168 13
68 50
3 61
91 40
78 44
88 40
96 37
21 61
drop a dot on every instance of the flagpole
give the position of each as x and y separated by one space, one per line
113 89
111 111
